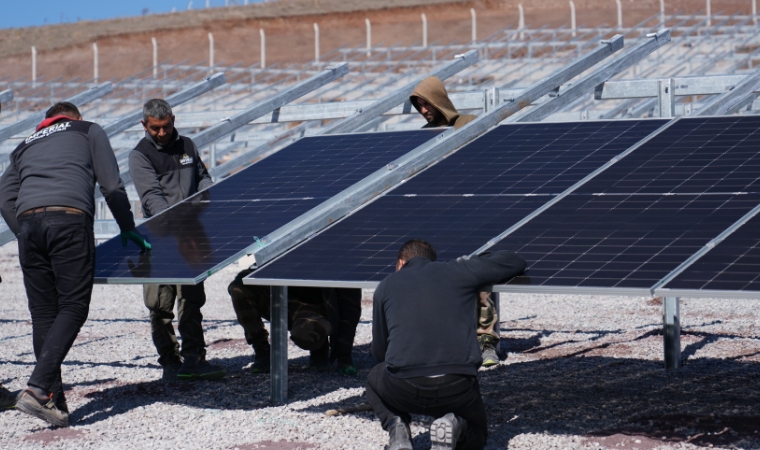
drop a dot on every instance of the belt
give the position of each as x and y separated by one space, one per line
66 209
420 388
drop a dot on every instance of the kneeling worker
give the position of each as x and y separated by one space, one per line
432 101
423 332
167 169
321 320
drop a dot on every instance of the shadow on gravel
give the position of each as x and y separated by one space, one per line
239 390
708 401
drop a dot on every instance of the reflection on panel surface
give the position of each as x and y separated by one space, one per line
732 265
637 221
463 201
198 234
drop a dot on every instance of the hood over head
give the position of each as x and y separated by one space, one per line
432 90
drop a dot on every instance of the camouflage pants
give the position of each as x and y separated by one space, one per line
307 320
160 300
488 316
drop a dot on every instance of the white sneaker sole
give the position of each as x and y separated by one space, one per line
442 433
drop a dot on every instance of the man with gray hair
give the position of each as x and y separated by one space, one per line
167 169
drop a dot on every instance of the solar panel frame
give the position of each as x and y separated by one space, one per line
252 279
656 288
134 257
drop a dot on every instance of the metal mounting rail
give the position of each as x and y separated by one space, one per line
231 124
78 99
6 96
178 98
608 70
362 116
419 158
732 99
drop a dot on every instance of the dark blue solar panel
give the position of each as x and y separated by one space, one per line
732 265
463 201
200 233
637 221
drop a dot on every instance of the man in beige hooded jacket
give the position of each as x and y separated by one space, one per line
432 101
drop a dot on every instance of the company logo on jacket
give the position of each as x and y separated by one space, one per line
186 160
45 132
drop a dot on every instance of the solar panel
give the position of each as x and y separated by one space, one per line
637 221
192 239
732 265
461 202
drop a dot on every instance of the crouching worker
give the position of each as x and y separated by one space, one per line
320 320
424 333
167 169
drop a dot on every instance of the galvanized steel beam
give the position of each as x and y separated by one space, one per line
723 103
603 73
79 99
231 124
6 96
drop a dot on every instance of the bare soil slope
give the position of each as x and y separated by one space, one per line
125 44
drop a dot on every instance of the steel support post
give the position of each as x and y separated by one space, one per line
316 43
34 65
491 99
79 99
95 63
278 304
619 14
497 325
155 57
666 97
671 331
263 48
725 102
242 118
572 19
424 30
474 25
210 50
598 76
336 207
369 37
362 116
521 21
662 13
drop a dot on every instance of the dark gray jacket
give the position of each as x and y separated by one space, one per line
166 176
58 166
424 318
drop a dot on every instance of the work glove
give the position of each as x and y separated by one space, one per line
135 237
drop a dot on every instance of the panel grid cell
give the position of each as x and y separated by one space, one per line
463 201
200 233
633 224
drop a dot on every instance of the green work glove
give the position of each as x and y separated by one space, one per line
135 237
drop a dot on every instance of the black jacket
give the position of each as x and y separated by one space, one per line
424 319
58 166
164 176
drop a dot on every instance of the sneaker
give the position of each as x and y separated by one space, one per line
8 398
171 368
261 359
400 436
59 400
445 432
42 408
488 350
195 367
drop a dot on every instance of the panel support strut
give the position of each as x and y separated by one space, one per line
278 304
671 331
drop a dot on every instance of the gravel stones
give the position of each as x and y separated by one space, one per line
580 373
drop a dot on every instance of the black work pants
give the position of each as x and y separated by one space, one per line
57 256
399 397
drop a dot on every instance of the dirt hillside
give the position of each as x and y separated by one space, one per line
125 44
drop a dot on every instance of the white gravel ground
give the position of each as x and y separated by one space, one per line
580 372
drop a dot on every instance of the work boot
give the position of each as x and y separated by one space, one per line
8 398
346 366
261 358
319 359
446 432
195 367
488 350
400 436
42 407
171 367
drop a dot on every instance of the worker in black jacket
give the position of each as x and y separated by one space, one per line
47 199
424 333
167 169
